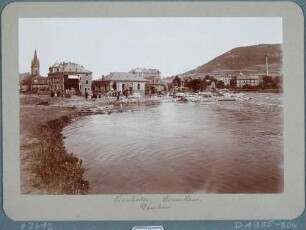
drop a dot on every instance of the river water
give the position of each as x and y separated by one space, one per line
194 147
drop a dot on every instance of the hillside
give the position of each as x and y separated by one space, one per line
245 59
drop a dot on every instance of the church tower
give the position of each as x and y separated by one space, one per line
35 65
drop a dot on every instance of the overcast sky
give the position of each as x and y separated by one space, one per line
172 45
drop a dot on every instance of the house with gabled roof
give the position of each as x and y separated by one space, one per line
124 82
69 76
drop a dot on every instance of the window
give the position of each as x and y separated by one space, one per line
138 86
86 81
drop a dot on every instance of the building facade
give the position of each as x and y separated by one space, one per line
124 82
39 83
155 84
69 76
23 87
153 75
250 80
225 78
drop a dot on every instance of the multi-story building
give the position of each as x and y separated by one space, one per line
69 76
155 83
225 78
153 75
251 80
127 83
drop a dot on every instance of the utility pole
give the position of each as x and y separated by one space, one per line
267 66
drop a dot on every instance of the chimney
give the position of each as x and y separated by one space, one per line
267 66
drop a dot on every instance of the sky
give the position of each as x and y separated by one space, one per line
172 45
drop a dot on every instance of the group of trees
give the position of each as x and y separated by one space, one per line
197 84
271 82
200 84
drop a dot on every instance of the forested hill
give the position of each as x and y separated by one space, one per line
248 58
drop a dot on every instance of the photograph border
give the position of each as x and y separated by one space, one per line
177 224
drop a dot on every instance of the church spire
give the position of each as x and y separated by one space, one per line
35 64
35 55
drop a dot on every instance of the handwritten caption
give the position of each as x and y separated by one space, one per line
164 203
36 226
271 224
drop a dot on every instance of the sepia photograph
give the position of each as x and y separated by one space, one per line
151 105
145 114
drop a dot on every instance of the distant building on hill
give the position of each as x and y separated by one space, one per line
250 80
69 76
124 82
33 82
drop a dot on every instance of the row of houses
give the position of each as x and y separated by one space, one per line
71 76
74 77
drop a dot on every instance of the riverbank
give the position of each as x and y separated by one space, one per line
46 166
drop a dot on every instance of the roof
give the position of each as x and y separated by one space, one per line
70 67
122 76
24 74
56 64
248 77
139 70
37 76
28 79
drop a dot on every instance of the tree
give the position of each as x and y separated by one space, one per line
233 82
220 85
278 82
177 81
267 82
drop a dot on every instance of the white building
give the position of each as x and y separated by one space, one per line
154 84
251 80
225 78
127 83
153 75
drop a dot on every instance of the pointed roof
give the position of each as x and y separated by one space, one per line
35 60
